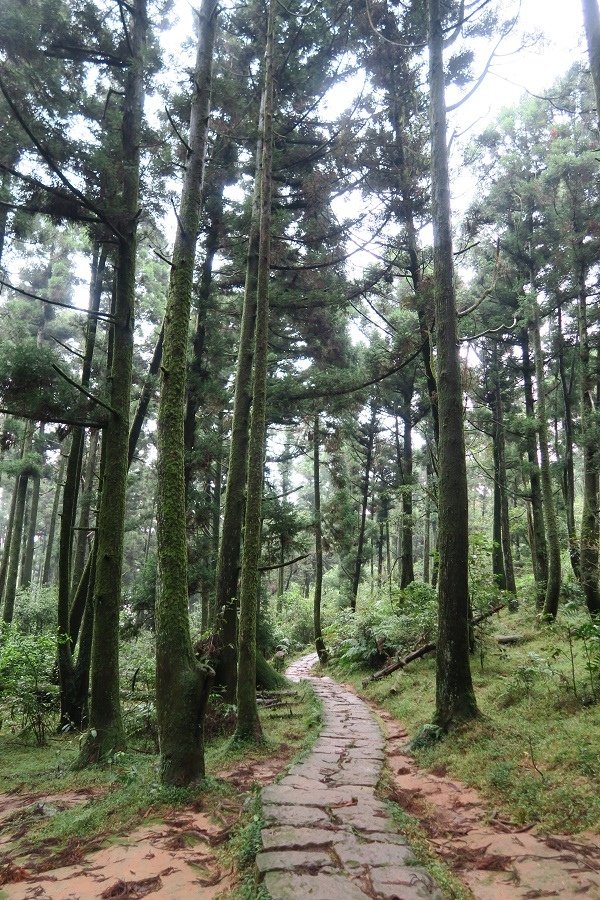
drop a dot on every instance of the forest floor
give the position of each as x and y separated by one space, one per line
418 833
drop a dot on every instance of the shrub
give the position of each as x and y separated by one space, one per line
371 636
26 668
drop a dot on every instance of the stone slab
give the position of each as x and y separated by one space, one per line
287 860
286 837
292 886
294 815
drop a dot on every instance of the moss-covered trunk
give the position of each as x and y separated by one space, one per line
49 552
590 533
181 683
550 608
106 728
82 538
29 541
358 562
15 547
568 479
591 18
8 538
407 571
455 699
248 723
539 551
228 563
319 642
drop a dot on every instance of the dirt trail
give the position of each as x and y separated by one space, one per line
328 835
496 859
174 859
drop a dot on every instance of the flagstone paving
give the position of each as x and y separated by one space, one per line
328 836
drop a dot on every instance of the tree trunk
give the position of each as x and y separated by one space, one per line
364 505
568 472
47 570
455 698
182 685
539 551
106 728
509 570
497 555
591 449
70 717
427 526
407 571
29 543
248 726
228 564
591 18
15 547
319 643
8 538
82 542
550 608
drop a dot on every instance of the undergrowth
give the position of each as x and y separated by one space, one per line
534 752
127 788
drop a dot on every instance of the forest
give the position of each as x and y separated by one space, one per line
270 386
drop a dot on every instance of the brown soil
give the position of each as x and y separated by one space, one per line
496 859
175 859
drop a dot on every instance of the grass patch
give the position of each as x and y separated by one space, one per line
132 791
534 753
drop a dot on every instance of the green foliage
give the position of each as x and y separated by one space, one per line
29 384
372 635
27 695
35 609
297 623
532 671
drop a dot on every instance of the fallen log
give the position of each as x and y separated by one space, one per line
423 650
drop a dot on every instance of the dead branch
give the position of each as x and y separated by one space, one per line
423 651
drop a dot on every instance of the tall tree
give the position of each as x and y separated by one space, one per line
455 698
248 726
106 727
181 682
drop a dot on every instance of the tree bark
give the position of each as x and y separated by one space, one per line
568 467
590 534
106 727
47 570
228 564
539 551
455 698
591 19
248 728
550 608
182 685
15 547
319 642
364 506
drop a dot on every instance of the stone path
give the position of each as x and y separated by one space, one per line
328 836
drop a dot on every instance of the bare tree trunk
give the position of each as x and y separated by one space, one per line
553 585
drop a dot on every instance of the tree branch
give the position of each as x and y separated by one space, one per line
95 315
83 391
